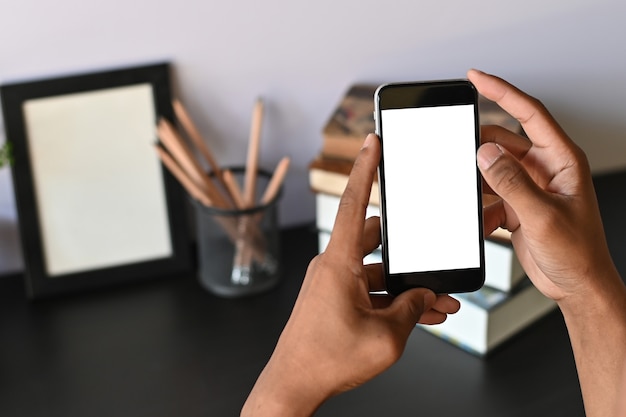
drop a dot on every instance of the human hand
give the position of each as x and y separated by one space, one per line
339 336
548 200
549 205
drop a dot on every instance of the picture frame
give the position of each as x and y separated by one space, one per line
95 206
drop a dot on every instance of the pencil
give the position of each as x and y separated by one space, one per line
234 189
273 186
250 179
193 190
278 177
194 134
188 163
252 161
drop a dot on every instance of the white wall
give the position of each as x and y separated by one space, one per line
301 56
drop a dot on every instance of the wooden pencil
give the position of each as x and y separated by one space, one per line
194 134
250 175
179 151
193 190
273 186
196 138
234 189
252 161
278 177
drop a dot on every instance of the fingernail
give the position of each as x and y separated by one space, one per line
488 154
368 140
473 72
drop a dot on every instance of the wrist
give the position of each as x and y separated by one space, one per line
596 323
282 390
604 295
261 403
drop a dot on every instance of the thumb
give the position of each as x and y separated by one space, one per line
409 306
507 178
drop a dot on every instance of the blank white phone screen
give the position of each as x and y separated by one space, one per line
431 188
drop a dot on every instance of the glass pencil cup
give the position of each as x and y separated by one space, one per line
239 250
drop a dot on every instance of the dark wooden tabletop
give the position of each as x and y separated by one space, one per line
169 348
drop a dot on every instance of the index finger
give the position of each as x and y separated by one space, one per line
348 227
537 122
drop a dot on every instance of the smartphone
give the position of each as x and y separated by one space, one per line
430 186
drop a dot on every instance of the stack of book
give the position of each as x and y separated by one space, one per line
508 302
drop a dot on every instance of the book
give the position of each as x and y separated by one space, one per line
502 268
349 124
330 176
489 317
346 129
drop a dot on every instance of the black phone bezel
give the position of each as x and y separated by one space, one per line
428 94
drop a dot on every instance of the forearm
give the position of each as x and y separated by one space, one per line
596 323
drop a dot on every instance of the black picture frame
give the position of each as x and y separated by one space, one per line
87 222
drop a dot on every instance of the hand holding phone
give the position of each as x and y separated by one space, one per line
431 208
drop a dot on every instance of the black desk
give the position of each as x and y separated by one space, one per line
168 348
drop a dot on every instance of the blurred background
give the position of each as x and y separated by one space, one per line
301 56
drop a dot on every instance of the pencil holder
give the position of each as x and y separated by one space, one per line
239 250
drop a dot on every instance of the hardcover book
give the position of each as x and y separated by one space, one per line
350 123
503 270
330 176
489 317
